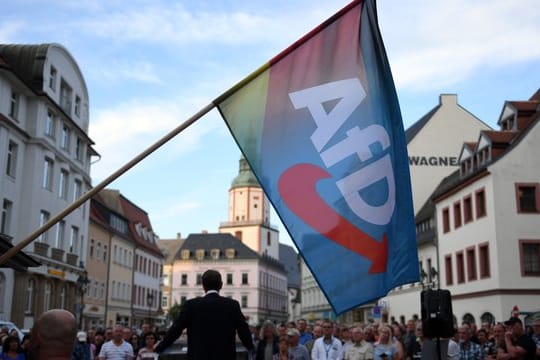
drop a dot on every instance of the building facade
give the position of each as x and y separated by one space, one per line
488 213
257 282
169 248
45 162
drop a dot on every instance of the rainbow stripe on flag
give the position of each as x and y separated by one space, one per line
320 126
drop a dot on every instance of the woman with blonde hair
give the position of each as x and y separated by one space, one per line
268 343
384 349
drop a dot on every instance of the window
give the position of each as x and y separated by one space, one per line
449 270
5 220
238 235
164 302
14 105
480 203
467 209
471 264
105 253
48 165
460 266
77 189
74 240
47 296
268 239
52 78
49 124
43 219
92 244
29 304
2 289
63 184
182 300
244 279
530 257
77 105
199 254
199 279
229 253
446 220
79 149
229 279
60 230
63 297
183 280
483 254
214 253
65 96
244 301
64 139
457 214
11 161
528 198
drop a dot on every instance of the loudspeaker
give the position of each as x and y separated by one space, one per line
437 315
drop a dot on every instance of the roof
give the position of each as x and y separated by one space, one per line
245 177
18 262
109 201
415 128
222 242
289 259
28 61
169 248
507 141
500 137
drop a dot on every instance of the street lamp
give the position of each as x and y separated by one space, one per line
429 280
82 281
149 302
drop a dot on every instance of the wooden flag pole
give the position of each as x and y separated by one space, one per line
87 195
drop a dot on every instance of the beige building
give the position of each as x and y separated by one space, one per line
169 248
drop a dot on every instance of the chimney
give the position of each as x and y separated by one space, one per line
448 99
203 231
178 236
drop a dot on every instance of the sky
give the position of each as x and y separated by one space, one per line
151 64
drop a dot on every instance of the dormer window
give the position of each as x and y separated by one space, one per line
199 254
184 254
229 253
214 253
138 228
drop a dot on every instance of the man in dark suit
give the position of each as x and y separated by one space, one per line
212 322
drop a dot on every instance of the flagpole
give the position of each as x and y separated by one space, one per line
87 195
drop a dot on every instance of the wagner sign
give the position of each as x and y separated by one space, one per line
433 161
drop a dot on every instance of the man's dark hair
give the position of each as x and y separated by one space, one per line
211 280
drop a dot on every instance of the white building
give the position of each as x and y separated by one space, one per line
488 216
45 162
257 282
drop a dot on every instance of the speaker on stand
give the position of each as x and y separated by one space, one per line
437 316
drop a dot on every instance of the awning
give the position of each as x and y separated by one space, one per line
18 262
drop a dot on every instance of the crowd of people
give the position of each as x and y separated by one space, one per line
321 340
327 340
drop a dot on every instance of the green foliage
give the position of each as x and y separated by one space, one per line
174 311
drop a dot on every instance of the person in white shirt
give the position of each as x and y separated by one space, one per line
117 348
327 347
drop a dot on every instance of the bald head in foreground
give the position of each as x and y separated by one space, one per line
53 335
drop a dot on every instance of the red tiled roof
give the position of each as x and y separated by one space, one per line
500 137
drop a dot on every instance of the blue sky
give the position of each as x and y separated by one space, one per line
150 64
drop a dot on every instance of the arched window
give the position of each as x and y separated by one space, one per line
469 318
30 288
487 317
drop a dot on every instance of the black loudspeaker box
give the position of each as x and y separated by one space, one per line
437 315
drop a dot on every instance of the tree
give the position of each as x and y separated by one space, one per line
174 311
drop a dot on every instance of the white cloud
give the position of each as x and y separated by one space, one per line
124 131
441 43
117 71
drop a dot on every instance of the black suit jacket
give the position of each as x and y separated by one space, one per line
212 322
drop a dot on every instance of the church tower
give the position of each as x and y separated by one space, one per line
249 214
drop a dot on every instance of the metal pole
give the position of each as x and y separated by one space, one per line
49 224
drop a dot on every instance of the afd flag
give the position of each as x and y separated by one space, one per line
321 128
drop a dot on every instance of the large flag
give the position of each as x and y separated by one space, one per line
320 126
